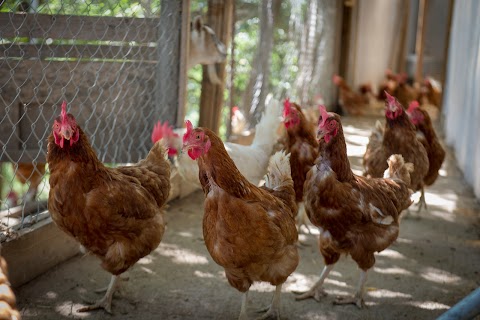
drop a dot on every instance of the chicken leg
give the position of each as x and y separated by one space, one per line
357 299
422 202
106 302
273 312
317 291
302 218
243 310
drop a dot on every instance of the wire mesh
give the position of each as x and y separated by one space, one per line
103 59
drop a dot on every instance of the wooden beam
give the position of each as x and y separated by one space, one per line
167 86
220 15
184 50
420 39
34 25
85 52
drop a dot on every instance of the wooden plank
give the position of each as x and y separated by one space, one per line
133 53
36 250
34 25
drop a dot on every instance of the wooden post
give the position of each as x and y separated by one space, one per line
231 85
184 49
219 18
170 66
445 53
420 39
402 52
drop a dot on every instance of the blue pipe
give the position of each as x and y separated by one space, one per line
467 308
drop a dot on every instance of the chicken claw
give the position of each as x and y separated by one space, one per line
273 311
271 314
356 300
104 303
316 293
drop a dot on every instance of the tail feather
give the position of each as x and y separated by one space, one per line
279 173
266 129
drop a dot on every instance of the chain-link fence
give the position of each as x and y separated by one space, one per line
106 59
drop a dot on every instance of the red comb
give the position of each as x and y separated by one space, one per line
324 114
390 98
160 131
64 110
413 105
286 107
189 130
235 109
157 132
337 79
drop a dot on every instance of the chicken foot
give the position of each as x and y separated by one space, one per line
317 291
106 302
357 299
273 311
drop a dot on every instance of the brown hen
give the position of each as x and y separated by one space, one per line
356 215
249 231
115 213
303 149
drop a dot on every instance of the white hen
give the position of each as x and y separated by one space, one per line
252 160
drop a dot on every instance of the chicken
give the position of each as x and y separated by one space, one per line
399 137
427 136
8 310
356 215
249 231
374 106
251 160
404 92
431 92
239 122
389 85
32 174
374 145
11 200
303 149
115 213
352 103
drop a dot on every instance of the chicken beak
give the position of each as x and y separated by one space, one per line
320 134
66 132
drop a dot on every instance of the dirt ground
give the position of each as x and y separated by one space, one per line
433 264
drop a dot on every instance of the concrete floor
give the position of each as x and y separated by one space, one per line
433 264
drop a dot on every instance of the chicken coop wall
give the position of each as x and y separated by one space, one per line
117 64
462 98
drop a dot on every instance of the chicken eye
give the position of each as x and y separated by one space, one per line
55 125
198 137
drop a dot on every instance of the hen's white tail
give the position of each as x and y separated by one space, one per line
279 173
266 129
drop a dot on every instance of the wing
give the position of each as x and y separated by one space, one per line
239 232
